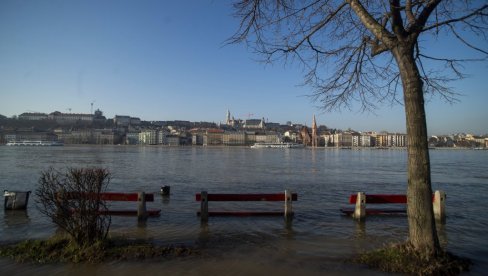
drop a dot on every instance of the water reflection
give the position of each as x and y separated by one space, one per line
289 233
165 200
141 224
14 218
360 227
204 235
442 234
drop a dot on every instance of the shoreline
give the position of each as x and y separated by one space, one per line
245 146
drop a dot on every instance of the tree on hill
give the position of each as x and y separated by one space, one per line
371 52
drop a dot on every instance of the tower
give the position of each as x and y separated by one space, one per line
314 133
228 118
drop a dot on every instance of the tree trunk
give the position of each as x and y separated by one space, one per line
421 222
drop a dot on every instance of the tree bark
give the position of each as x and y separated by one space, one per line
421 221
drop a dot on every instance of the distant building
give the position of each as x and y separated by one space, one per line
105 137
69 118
305 136
268 138
197 135
325 139
341 139
356 139
397 140
162 137
254 124
132 138
213 137
121 121
148 137
126 121
366 140
173 140
234 138
291 136
89 136
33 116
249 124
29 136
134 121
382 139
7 137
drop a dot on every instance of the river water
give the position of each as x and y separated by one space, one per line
316 242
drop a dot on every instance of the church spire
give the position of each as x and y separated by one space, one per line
314 133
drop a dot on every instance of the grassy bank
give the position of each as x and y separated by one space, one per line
62 250
399 258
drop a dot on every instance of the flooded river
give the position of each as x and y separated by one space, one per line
316 242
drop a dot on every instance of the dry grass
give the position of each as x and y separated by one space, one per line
400 258
62 250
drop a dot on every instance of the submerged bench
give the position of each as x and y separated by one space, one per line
141 212
361 199
287 197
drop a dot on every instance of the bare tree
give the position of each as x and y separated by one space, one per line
72 200
367 51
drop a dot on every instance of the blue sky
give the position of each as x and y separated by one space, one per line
167 60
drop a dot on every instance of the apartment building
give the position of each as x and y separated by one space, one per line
148 137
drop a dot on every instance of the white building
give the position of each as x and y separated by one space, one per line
356 140
148 137
366 140
397 140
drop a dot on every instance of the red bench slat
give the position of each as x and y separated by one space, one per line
243 213
376 211
246 197
151 213
124 197
112 196
382 199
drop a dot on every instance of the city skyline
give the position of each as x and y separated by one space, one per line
224 122
169 61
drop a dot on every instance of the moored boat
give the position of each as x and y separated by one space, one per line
277 145
34 143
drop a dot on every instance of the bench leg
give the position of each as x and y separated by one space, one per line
360 209
440 206
141 209
61 205
204 206
288 205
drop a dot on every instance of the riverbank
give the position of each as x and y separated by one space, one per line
59 250
62 250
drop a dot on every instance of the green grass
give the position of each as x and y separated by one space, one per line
62 250
401 259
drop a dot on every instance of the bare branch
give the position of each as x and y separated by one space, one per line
316 28
477 12
371 24
397 21
336 43
424 15
409 13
